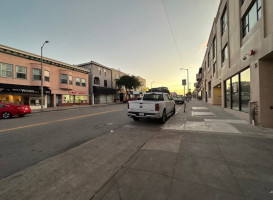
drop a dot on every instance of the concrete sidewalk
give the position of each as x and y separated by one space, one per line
205 153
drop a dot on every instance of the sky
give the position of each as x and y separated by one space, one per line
133 36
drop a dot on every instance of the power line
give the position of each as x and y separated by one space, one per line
175 42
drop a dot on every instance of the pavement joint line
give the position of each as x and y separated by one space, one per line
229 168
122 169
59 120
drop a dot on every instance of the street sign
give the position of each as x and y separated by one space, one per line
184 82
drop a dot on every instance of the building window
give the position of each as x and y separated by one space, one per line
64 78
47 76
6 70
70 80
21 72
78 82
99 70
237 91
104 72
227 94
96 81
214 68
214 48
105 83
209 86
83 82
208 61
225 53
36 74
251 17
224 21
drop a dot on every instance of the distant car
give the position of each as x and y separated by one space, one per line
8 110
178 99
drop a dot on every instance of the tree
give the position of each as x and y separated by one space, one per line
130 82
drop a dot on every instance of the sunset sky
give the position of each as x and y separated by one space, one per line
131 35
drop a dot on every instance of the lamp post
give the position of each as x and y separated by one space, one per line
187 77
42 83
152 85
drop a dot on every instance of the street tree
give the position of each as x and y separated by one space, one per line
130 82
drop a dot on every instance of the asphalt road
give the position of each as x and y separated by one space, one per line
36 137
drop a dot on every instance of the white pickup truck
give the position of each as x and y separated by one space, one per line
156 105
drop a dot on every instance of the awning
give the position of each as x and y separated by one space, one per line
103 90
26 89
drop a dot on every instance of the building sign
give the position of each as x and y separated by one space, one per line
77 93
9 88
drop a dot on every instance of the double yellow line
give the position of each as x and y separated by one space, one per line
60 120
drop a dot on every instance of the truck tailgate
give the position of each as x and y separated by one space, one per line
142 106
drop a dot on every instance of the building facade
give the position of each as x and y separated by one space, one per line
20 80
100 83
120 92
237 68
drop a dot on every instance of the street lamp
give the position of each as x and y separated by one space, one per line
42 83
187 77
152 85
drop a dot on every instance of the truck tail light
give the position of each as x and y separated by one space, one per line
128 106
156 107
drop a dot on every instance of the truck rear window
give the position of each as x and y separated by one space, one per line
153 97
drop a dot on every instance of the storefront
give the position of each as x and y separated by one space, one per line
75 98
103 94
23 95
237 91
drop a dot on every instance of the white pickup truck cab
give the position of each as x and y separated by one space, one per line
156 105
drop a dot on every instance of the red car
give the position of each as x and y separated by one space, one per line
7 110
131 99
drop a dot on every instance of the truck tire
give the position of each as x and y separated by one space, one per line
136 119
174 111
163 119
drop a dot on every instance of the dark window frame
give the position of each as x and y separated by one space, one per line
47 78
77 83
64 81
16 73
6 70
34 79
224 23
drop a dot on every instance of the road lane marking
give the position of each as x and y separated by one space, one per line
179 109
59 120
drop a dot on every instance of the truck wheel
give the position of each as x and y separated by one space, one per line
163 119
136 119
174 110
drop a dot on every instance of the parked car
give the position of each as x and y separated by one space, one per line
8 110
155 105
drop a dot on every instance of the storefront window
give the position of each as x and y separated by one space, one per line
35 101
245 90
235 92
80 99
228 102
66 98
